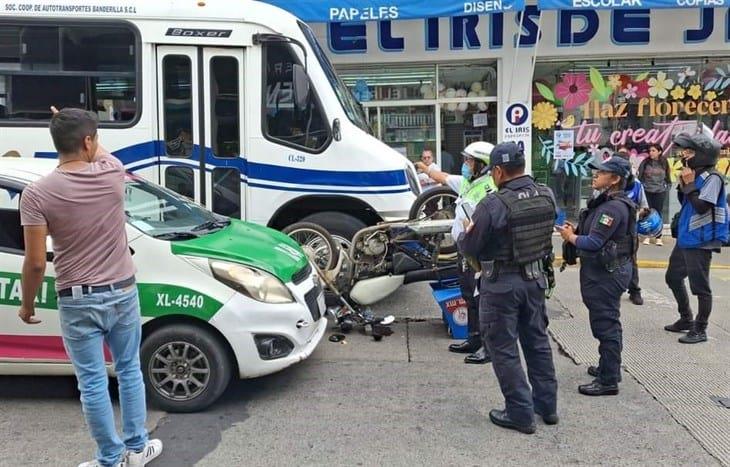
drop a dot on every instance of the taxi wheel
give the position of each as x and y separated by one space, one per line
185 368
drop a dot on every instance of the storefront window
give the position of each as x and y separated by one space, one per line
585 110
409 130
390 83
467 81
442 107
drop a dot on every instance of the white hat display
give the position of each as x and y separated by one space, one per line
462 106
461 93
451 107
451 93
476 86
482 106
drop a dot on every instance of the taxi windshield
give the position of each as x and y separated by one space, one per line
164 214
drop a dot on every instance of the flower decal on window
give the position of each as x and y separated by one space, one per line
710 96
614 81
544 115
630 91
677 93
686 75
574 90
660 86
695 91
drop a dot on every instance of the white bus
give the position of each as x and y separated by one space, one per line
232 103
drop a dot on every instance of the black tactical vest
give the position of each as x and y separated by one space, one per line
530 222
622 247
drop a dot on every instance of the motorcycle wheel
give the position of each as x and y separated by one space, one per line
318 244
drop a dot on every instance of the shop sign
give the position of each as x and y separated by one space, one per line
627 4
575 27
517 126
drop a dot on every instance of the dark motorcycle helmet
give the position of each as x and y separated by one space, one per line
706 149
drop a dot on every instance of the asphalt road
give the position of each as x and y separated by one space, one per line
402 401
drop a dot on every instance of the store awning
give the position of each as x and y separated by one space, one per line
628 4
342 11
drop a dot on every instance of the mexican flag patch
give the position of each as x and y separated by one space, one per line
606 220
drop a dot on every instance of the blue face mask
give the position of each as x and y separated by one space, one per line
466 171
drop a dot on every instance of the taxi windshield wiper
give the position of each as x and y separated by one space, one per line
182 235
218 224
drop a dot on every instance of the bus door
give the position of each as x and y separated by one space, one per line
224 131
200 108
179 120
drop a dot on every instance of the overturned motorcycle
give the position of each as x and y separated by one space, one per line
380 259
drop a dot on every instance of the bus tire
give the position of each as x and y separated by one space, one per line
187 348
341 226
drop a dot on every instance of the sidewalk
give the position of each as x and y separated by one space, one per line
652 256
687 380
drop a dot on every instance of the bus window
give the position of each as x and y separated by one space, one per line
224 107
227 192
78 66
305 128
178 102
180 180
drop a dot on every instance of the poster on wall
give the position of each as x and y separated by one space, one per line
480 120
517 126
564 144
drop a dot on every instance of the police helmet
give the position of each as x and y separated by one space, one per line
706 149
651 225
479 150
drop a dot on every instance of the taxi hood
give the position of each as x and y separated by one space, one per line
248 244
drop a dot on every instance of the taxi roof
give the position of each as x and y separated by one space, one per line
26 169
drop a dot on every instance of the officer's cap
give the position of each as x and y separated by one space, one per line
506 154
699 142
615 165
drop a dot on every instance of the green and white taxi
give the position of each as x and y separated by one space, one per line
219 297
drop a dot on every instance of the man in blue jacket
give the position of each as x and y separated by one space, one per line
701 229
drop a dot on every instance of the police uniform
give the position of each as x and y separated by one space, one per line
701 228
471 189
512 237
606 237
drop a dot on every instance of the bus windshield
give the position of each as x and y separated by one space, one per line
352 108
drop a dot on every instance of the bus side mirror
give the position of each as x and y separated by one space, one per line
301 87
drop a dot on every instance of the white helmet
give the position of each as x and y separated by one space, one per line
479 150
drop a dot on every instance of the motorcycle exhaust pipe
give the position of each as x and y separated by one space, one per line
430 274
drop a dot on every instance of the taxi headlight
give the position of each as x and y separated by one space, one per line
254 283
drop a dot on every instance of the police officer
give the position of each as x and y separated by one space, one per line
702 228
511 235
473 185
605 239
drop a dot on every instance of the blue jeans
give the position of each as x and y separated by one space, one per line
87 323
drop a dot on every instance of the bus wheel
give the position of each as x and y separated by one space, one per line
342 227
317 243
185 368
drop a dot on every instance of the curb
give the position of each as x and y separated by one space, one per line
650 264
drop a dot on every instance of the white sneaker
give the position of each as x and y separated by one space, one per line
659 242
152 449
95 463
647 241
